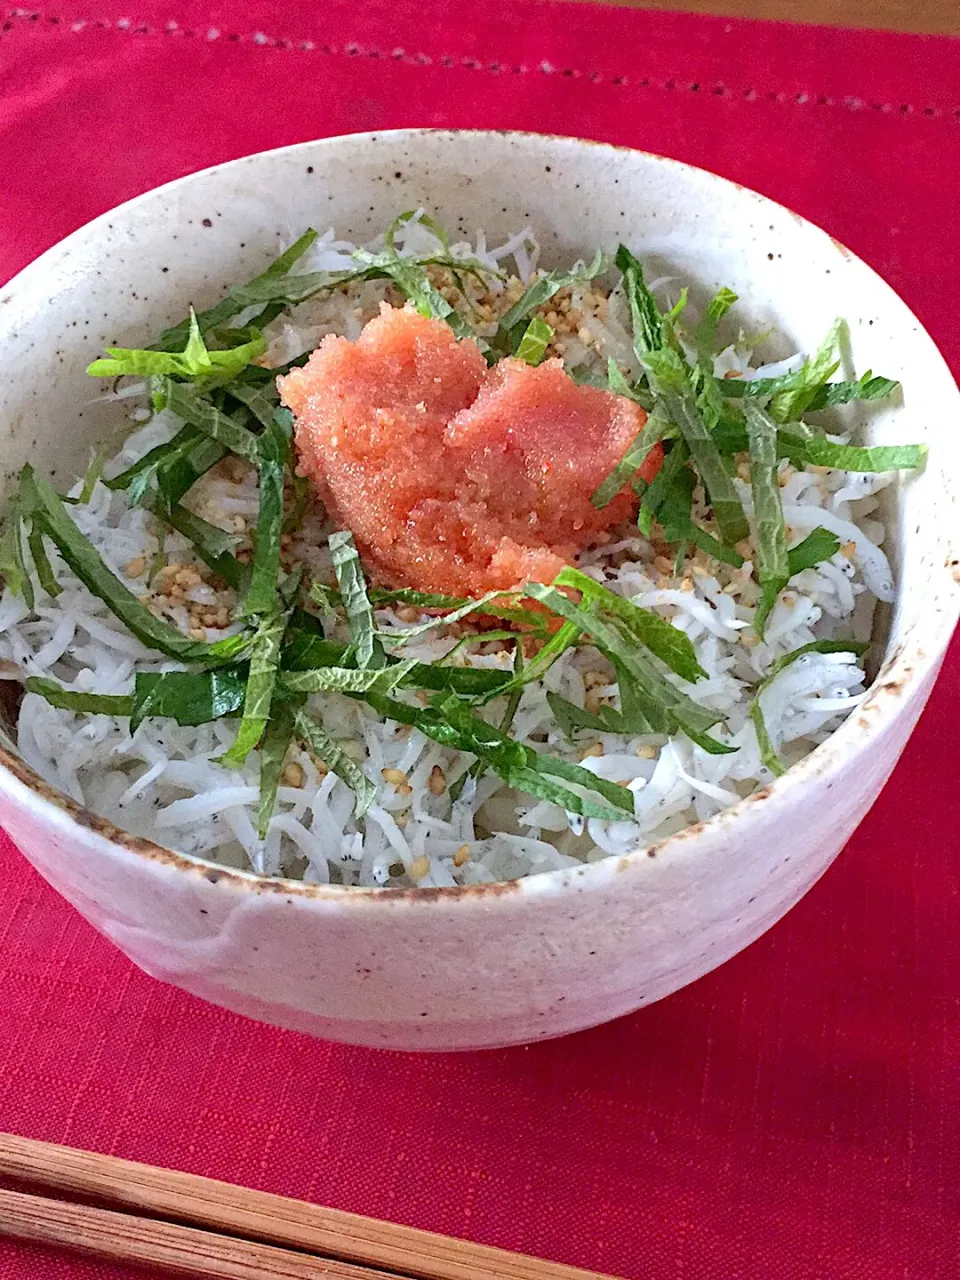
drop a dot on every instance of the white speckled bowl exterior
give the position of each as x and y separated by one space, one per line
510 963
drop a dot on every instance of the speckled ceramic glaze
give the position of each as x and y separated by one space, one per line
515 962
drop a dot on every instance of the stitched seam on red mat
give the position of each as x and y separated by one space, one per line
128 26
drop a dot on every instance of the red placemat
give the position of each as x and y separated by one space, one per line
792 1116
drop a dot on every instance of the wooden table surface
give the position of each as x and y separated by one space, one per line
931 17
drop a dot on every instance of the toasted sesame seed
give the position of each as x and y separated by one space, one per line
595 750
395 776
136 568
461 856
293 775
437 782
404 789
419 867
646 751
408 613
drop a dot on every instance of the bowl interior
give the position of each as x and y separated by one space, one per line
121 279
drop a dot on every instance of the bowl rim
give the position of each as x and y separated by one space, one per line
916 656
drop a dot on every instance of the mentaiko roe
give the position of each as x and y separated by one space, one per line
452 476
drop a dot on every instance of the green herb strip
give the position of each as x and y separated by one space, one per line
352 680
679 527
189 697
866 388
802 445
238 300
336 760
705 334
673 385
572 718
462 611
662 705
424 220
511 327
829 393
172 468
214 547
672 646
185 437
618 384
41 561
304 650
353 592
190 405
277 738
258 697
656 493
86 563
435 600
541 662
194 362
411 279
12 564
652 433
767 754
810 379
262 399
96 704
877 458
451 723
273 451
773 566
94 472
820 544
649 334
533 345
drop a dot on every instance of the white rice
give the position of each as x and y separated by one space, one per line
162 783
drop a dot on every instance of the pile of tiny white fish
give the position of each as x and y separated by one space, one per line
350 764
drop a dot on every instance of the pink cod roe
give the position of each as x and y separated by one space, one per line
453 476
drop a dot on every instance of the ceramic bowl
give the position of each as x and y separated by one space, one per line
519 961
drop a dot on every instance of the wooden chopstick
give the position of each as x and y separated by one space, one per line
124 1237
234 1225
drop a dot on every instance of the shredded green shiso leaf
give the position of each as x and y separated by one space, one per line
204 370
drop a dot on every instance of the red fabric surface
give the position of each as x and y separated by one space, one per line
792 1116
